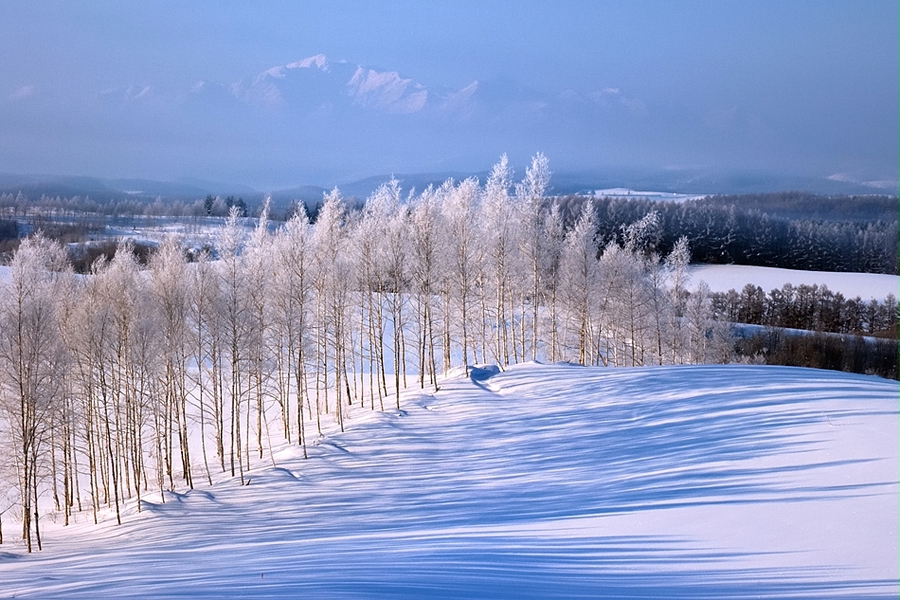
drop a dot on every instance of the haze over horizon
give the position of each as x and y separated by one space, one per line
284 93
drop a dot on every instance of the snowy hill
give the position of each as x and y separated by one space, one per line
541 481
721 278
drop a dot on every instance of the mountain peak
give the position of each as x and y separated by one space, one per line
386 90
319 61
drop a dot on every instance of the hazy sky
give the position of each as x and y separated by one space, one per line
806 87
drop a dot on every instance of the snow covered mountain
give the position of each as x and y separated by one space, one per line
318 119
317 85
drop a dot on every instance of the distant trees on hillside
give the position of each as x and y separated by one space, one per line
811 326
799 206
809 307
837 352
723 232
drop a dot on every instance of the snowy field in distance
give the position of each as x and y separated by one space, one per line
541 481
722 278
634 195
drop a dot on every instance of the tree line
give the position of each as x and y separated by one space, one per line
809 307
812 326
133 380
788 229
818 350
724 232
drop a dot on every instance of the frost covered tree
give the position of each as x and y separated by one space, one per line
534 242
170 305
426 249
206 350
553 234
676 265
112 374
331 290
30 362
459 211
257 279
388 218
365 243
498 230
291 299
234 323
580 275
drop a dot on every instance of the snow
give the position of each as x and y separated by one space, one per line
276 72
385 90
540 481
722 278
633 194
319 61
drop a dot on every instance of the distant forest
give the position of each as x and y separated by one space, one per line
809 307
857 234
793 230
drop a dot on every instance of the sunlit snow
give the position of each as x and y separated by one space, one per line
541 481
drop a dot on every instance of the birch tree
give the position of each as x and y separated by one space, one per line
533 241
580 277
459 210
234 324
292 301
426 250
498 230
30 359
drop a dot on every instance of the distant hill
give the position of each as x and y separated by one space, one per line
749 186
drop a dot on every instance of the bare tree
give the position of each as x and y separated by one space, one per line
234 323
292 300
426 249
533 241
580 270
498 231
257 281
459 210
30 356
331 290
171 306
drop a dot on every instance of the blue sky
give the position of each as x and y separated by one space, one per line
801 87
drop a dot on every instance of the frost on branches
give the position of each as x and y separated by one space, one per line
107 377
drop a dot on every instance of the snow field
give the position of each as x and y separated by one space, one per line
540 481
721 278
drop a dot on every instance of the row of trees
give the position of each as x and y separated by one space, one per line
131 381
837 352
809 307
798 206
791 230
22 205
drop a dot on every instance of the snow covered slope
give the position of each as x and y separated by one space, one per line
541 481
722 278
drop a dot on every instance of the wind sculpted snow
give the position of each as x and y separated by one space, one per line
539 481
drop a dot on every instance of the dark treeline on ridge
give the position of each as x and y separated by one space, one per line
812 326
809 307
835 352
726 233
803 205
